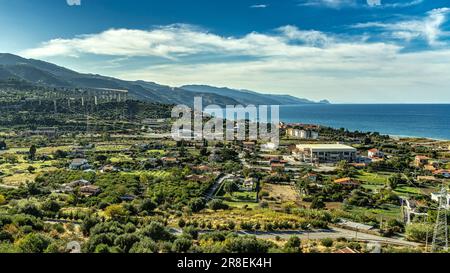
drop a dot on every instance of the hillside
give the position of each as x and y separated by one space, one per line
40 73
249 97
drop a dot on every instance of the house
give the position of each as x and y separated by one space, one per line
69 187
197 178
359 165
79 183
375 153
444 173
365 159
422 178
247 185
430 167
325 153
169 161
302 133
201 169
108 169
90 190
249 145
347 182
421 161
269 147
79 164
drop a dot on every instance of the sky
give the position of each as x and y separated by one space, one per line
346 51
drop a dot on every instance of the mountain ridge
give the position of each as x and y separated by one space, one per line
41 73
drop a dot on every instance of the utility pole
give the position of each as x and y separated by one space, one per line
440 235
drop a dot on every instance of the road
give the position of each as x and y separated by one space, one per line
332 233
210 193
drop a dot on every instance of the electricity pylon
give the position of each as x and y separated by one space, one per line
440 235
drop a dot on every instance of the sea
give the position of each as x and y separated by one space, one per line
402 120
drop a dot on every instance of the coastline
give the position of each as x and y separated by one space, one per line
413 121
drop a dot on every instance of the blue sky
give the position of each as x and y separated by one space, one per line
365 51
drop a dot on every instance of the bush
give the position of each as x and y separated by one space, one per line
418 232
181 245
2 200
217 204
34 243
191 232
327 242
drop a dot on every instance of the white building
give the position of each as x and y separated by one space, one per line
325 153
375 153
302 134
269 147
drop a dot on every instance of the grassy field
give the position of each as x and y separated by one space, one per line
240 215
386 212
17 174
374 178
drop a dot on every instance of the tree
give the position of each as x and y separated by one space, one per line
32 152
230 187
327 242
145 245
126 241
317 203
89 223
3 145
197 204
31 209
181 245
418 232
157 232
293 245
394 181
2 200
147 205
217 204
31 169
116 212
101 158
51 206
34 243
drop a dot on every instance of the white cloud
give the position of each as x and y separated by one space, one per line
305 63
176 41
336 4
73 2
428 28
328 3
403 4
259 6
374 3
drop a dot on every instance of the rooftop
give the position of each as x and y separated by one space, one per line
327 147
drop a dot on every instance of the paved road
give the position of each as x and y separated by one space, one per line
210 193
332 233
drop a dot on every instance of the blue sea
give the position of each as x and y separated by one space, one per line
409 120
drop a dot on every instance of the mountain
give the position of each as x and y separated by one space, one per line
250 97
40 73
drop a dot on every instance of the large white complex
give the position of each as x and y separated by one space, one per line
325 153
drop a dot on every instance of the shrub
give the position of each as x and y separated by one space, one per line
327 242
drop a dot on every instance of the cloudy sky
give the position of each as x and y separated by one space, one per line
366 51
